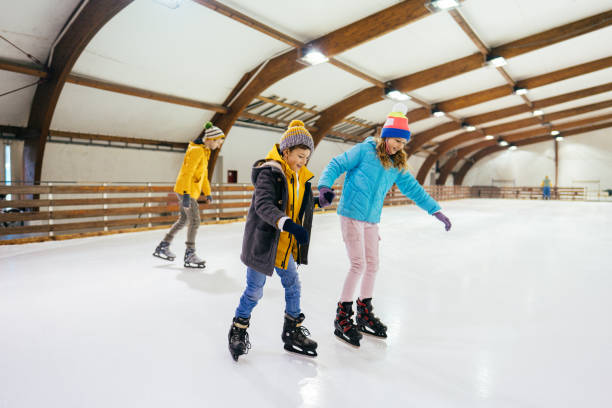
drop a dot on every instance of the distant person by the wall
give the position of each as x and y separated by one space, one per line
546 188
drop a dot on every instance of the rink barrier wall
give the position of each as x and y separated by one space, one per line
59 211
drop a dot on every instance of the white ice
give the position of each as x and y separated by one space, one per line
508 309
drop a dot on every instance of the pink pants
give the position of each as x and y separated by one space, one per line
361 240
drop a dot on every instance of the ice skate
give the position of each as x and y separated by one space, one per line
163 251
238 338
295 337
192 260
366 321
344 327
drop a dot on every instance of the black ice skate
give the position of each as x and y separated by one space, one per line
366 321
163 251
192 260
295 337
345 329
238 338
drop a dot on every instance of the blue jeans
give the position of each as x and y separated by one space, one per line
254 290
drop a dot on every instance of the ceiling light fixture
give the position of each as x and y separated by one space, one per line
311 56
495 61
502 142
558 138
519 90
396 95
468 127
513 147
437 112
554 133
538 112
489 137
441 5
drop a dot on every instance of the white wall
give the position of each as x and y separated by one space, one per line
583 157
65 162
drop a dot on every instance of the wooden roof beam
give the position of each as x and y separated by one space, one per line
333 114
451 143
91 18
447 168
460 175
418 140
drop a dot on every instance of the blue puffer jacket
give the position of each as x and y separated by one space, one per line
367 182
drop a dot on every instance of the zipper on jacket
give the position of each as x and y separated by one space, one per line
284 263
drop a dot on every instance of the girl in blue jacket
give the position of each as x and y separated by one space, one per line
372 167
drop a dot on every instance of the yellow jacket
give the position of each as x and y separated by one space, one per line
193 177
296 186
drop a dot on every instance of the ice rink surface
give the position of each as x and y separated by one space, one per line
508 309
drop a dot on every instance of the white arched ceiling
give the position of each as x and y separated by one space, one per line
428 42
602 97
603 76
190 51
89 110
15 107
464 84
33 26
377 112
306 21
321 85
489 106
500 22
578 50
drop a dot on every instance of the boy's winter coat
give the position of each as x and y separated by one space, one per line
367 182
193 177
264 246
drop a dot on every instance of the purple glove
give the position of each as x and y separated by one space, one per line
326 196
209 199
444 219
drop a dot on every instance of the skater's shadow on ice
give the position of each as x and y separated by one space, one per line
215 282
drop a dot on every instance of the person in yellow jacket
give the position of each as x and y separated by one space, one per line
192 181
276 237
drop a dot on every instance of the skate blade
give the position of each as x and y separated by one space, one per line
195 266
303 352
344 340
371 334
165 258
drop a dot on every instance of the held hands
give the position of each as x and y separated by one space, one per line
443 218
186 201
300 234
326 196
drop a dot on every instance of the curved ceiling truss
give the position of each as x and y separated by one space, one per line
460 175
87 23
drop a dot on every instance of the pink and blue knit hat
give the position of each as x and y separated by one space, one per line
397 123
296 134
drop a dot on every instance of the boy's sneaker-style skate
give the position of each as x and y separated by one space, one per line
295 337
163 251
192 260
367 322
238 338
344 327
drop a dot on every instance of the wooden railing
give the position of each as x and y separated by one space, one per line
528 193
52 210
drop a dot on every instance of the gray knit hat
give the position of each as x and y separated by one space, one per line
212 132
296 134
